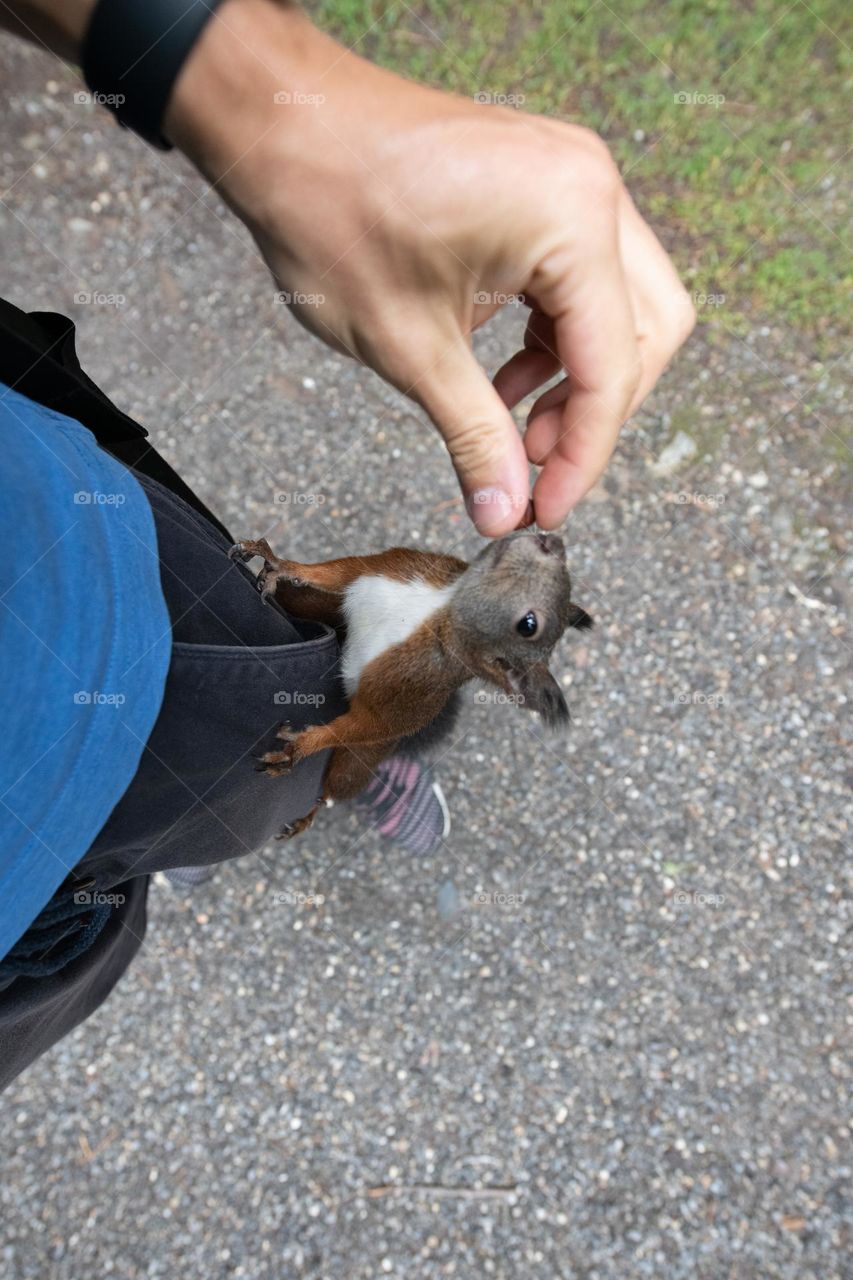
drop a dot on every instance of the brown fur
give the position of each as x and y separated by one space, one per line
405 689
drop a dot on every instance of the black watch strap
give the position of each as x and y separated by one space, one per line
133 52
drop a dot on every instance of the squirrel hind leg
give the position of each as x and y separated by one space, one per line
299 825
352 769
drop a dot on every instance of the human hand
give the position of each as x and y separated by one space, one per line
414 215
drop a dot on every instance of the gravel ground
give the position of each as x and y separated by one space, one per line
601 1034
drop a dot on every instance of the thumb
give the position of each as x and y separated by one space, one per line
481 436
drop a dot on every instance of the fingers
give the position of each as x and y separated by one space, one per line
528 369
481 436
523 373
561 434
663 315
595 336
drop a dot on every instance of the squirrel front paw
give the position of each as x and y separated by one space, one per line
274 570
275 763
253 547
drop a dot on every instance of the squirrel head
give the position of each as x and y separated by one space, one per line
511 606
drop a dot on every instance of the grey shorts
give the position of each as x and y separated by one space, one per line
239 667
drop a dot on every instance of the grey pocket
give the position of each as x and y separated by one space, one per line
197 797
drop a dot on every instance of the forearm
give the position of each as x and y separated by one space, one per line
214 103
229 59
223 99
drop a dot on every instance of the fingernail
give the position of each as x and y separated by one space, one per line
489 508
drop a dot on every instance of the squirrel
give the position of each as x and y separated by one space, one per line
415 626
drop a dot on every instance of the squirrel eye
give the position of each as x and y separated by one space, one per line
528 625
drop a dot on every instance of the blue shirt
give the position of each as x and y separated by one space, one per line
85 643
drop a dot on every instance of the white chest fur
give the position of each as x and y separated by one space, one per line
380 613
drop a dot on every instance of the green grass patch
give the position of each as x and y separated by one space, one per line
727 118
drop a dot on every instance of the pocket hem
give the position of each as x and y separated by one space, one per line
243 652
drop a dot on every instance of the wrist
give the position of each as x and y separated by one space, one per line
222 102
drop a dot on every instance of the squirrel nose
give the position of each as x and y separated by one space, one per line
551 544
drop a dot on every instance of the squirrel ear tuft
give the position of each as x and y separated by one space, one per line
538 691
580 619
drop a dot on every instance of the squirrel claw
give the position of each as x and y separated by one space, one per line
294 828
265 582
276 763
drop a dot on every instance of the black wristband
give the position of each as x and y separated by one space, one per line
132 53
